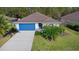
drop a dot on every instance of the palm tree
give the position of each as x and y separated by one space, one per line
5 25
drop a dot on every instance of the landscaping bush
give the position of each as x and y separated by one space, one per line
14 30
10 32
5 25
70 26
73 27
76 27
51 32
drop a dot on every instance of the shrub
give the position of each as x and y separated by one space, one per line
73 27
14 30
5 25
76 27
51 32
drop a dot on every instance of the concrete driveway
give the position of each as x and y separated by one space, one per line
21 41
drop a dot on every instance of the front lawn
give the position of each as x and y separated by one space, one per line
69 41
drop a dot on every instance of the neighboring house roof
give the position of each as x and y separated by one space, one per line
38 18
72 18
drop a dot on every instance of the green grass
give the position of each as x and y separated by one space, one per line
4 40
67 42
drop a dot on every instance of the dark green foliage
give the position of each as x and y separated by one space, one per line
76 27
70 26
10 32
55 12
13 30
5 25
73 27
51 32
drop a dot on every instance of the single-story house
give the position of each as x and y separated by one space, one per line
72 18
35 21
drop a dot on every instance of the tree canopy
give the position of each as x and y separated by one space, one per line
55 12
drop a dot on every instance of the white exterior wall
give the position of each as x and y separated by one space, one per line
36 26
17 26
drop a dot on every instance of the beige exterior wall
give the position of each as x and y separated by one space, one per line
56 25
45 24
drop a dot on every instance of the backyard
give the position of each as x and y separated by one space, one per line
69 42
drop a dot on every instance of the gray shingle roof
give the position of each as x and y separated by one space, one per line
72 18
39 18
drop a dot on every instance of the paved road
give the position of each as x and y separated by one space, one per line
22 41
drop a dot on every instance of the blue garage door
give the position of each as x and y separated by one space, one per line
28 26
